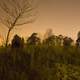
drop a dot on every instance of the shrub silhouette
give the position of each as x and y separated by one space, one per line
78 40
67 41
50 40
33 39
17 42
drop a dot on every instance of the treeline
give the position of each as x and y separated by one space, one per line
53 58
49 40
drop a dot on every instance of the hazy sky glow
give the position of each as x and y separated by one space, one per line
63 16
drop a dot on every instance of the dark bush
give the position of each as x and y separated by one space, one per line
17 42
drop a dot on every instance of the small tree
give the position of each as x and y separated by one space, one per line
33 39
15 12
59 40
67 41
50 40
17 42
48 33
78 40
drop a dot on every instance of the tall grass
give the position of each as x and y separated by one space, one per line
40 62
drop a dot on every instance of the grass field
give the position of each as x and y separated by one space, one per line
40 63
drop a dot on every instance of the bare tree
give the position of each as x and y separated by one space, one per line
16 12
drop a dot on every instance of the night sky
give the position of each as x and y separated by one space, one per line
63 16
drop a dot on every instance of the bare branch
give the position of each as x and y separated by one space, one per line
16 12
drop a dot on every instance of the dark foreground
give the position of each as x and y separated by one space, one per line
40 63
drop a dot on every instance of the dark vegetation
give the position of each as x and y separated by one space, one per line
54 58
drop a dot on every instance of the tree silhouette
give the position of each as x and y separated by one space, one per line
48 33
17 42
50 40
67 41
33 39
78 40
16 12
59 40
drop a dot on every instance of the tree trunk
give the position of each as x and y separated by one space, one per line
7 38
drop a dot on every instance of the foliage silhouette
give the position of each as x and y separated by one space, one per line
67 41
17 42
33 39
78 40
